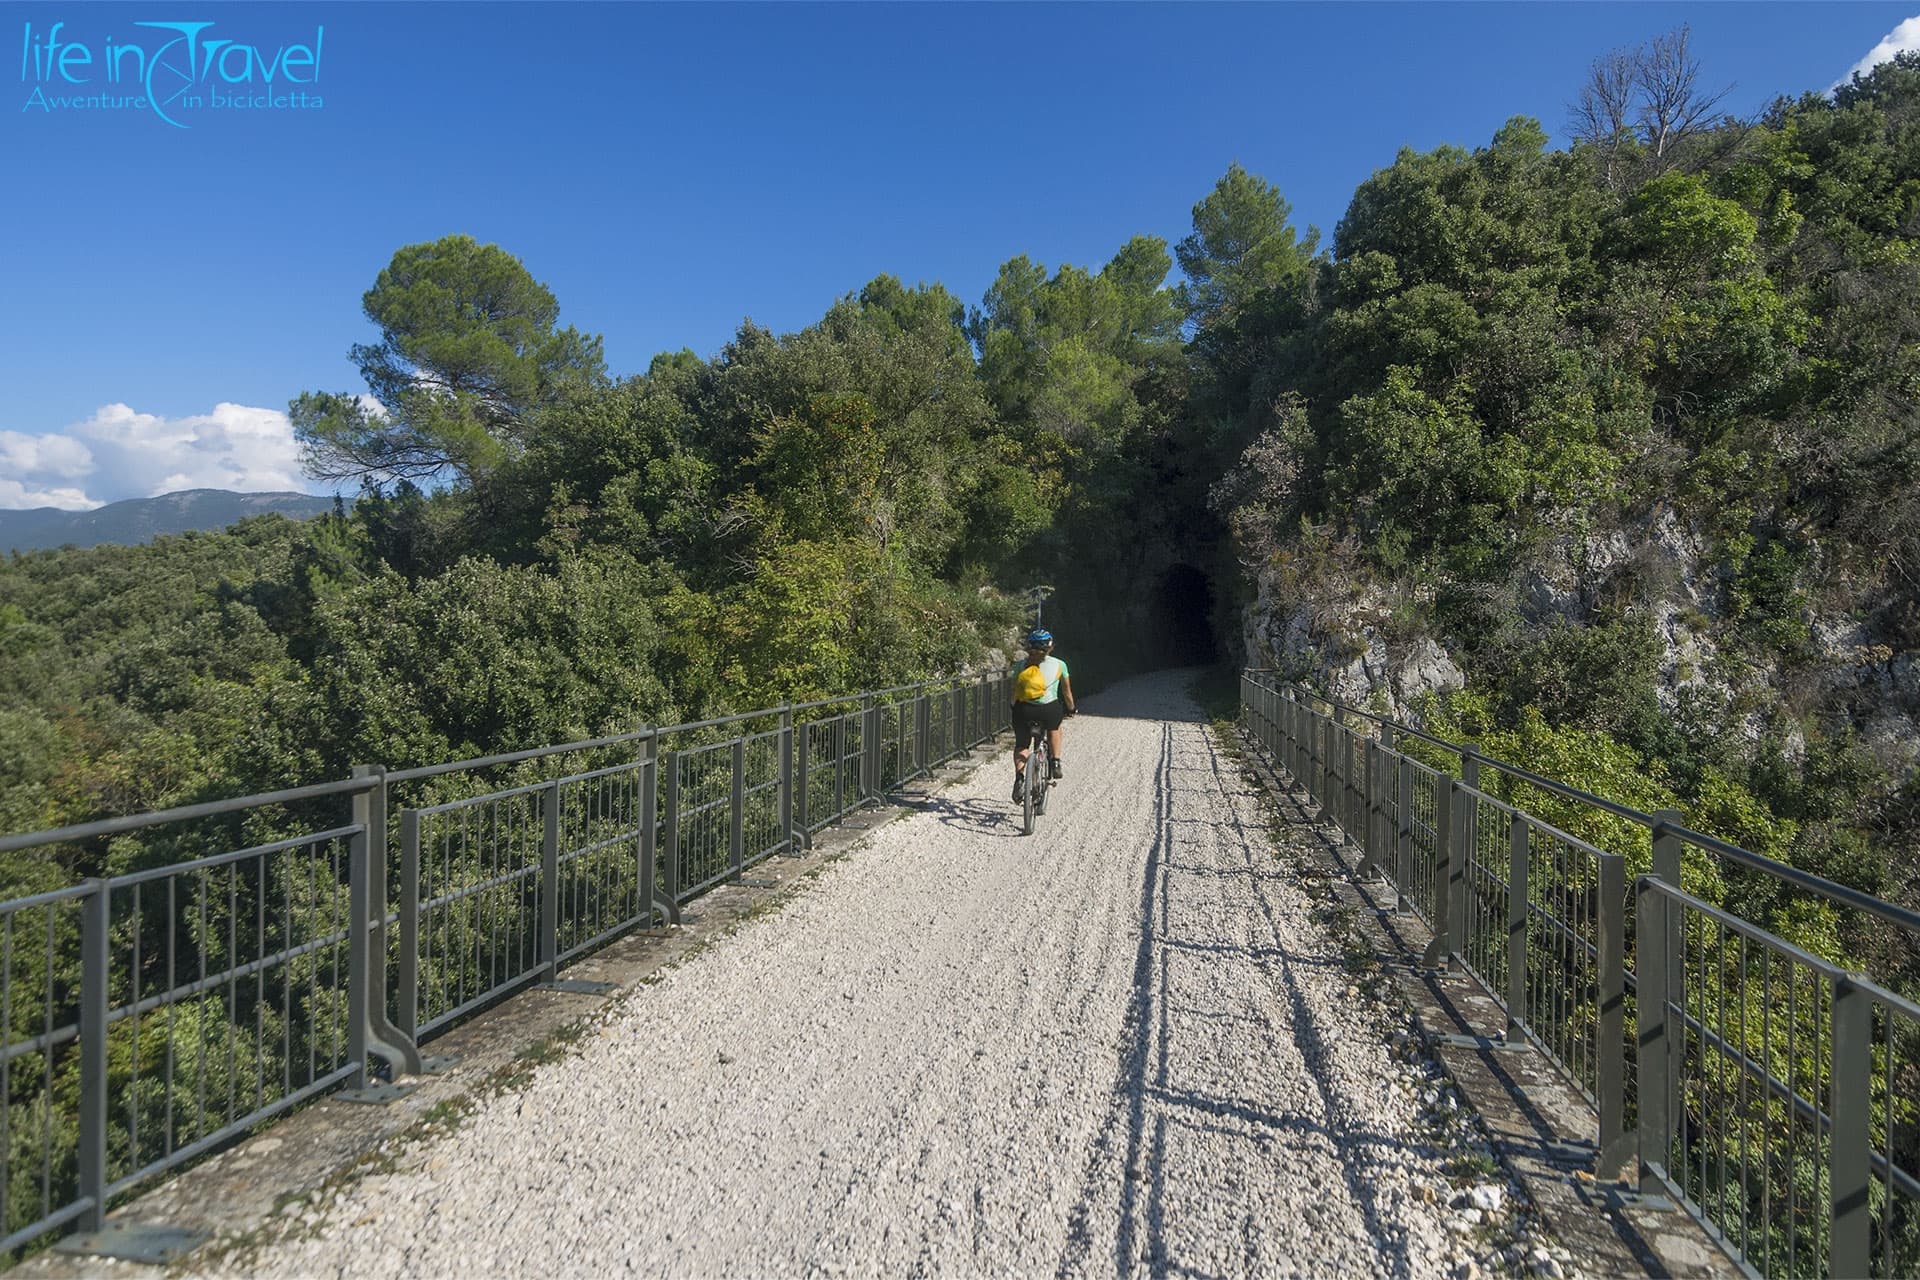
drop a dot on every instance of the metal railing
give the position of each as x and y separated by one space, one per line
1772 1094
277 943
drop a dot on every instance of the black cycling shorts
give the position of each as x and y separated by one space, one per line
1030 718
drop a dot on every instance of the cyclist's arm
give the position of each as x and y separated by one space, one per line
1066 692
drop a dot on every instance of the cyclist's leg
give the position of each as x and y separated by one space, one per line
1056 714
1026 730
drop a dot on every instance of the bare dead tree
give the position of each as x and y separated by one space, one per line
1673 105
1649 96
1604 114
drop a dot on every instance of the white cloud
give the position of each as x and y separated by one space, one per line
122 453
1902 38
15 496
58 456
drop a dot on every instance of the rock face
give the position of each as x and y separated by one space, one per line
1341 632
1346 646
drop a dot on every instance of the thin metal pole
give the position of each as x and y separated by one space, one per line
922 725
671 764
801 773
549 956
1655 1059
1672 946
94 961
1403 838
1518 910
737 798
786 780
359 980
839 737
1370 821
1611 1067
1440 949
409 1007
648 853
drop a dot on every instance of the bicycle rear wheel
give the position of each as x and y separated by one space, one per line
1029 803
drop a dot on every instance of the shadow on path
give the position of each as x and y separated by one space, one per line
1134 1138
975 816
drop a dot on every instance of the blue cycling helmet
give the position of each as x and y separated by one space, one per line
1039 638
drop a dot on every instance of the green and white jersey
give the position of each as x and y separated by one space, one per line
1039 681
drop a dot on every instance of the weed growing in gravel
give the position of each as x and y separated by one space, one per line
1217 690
1471 1166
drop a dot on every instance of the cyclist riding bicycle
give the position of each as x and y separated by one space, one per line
1042 698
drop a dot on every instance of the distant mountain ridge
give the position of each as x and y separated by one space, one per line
138 519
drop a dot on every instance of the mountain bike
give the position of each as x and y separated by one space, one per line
1039 776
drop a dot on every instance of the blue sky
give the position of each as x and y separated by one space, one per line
670 169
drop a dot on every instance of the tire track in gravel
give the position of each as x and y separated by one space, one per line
958 1051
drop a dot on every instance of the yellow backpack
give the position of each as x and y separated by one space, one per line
1031 684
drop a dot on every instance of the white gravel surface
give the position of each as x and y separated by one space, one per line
1120 1046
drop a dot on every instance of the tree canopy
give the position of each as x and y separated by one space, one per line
468 355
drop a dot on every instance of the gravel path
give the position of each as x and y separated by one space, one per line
1120 1046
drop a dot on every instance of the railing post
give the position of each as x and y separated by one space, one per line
938 711
1383 796
94 961
1340 764
1466 846
802 772
839 739
1440 949
737 806
1370 816
922 730
1303 734
550 882
1296 744
648 853
368 1030
1666 847
1519 909
408 1011
1672 944
872 733
359 980
1654 1063
1611 1064
670 846
1317 781
1403 824
1851 1243
1356 783
786 780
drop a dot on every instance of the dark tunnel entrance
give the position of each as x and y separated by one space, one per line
1183 619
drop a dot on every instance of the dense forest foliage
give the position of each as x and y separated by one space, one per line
1505 356
1519 362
